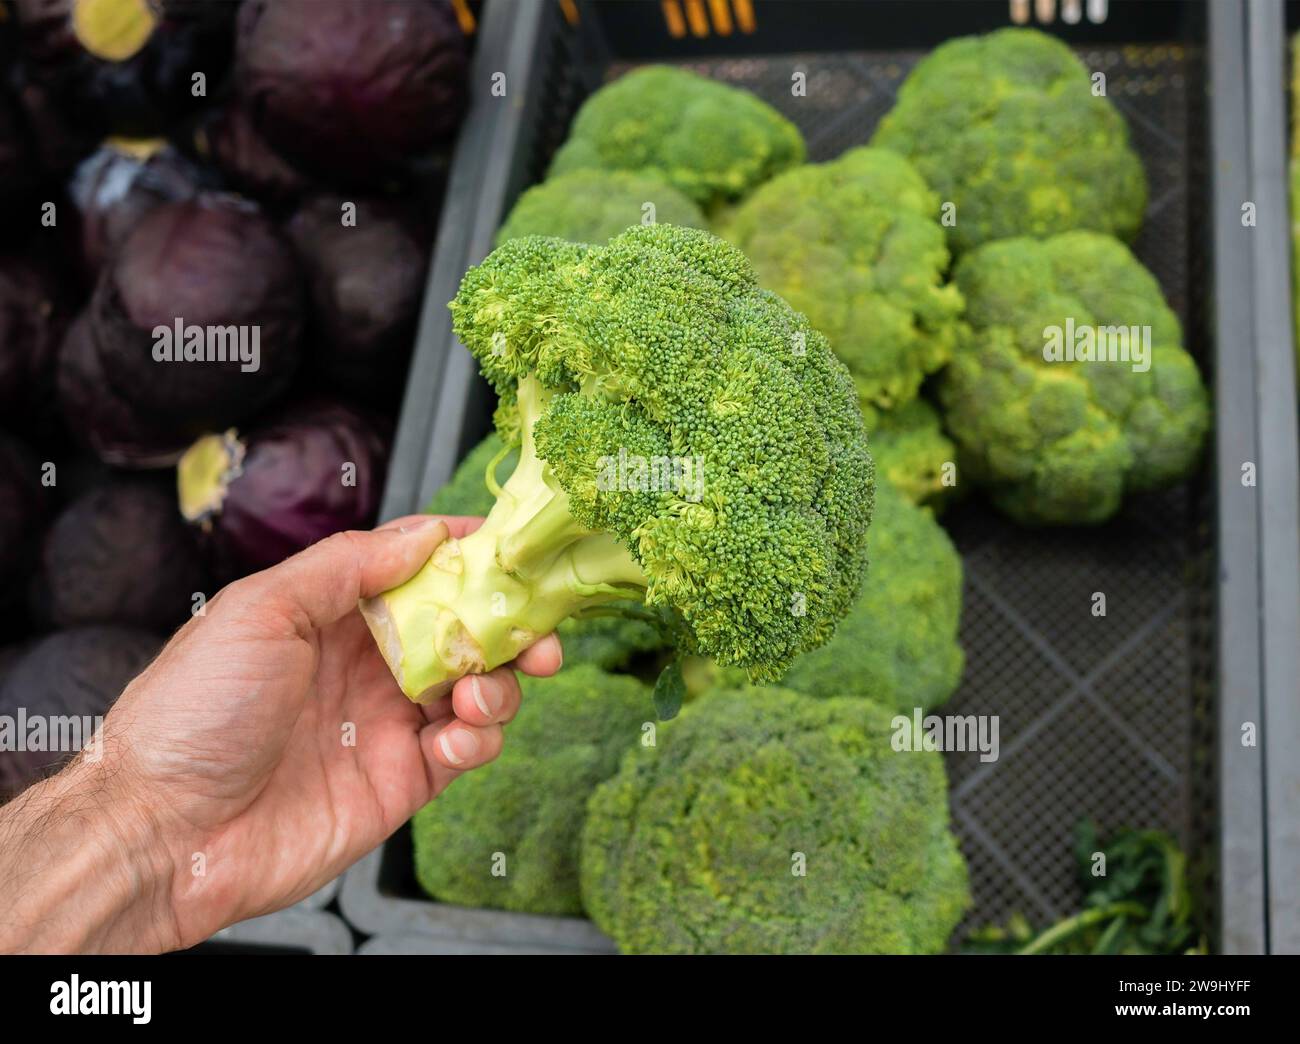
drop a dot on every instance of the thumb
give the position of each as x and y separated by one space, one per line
325 581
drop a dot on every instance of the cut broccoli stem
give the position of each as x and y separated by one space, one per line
480 601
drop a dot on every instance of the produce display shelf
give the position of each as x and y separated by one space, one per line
306 927
298 930
1130 719
1279 491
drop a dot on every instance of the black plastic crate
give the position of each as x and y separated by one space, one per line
1117 720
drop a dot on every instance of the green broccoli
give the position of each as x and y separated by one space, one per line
610 642
687 441
529 804
766 822
593 206
1062 441
898 645
1007 127
712 141
911 451
856 246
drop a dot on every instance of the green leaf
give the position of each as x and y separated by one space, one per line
670 690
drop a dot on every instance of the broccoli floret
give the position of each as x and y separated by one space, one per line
856 246
712 141
593 206
898 645
766 822
609 642
529 804
625 369
911 451
1006 127
1060 442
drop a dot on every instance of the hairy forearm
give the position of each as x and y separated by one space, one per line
82 869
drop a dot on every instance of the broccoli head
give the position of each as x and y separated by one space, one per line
687 441
911 451
712 141
898 645
856 246
1057 437
1006 127
766 822
529 804
593 206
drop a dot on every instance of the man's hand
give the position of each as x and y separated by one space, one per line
264 751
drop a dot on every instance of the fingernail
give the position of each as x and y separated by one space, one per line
458 745
558 645
487 694
424 523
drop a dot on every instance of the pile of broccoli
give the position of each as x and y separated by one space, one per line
1063 441
1009 128
634 353
856 246
765 822
593 206
506 835
686 440
898 645
713 142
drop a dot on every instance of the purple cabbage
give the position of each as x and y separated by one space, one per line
247 161
261 498
130 73
120 553
115 187
351 86
77 672
100 419
216 264
22 510
33 316
365 282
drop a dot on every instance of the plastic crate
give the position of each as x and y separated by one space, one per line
297 930
1132 720
1275 378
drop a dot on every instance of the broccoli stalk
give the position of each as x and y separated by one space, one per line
480 601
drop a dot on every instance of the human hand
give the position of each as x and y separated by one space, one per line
268 747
